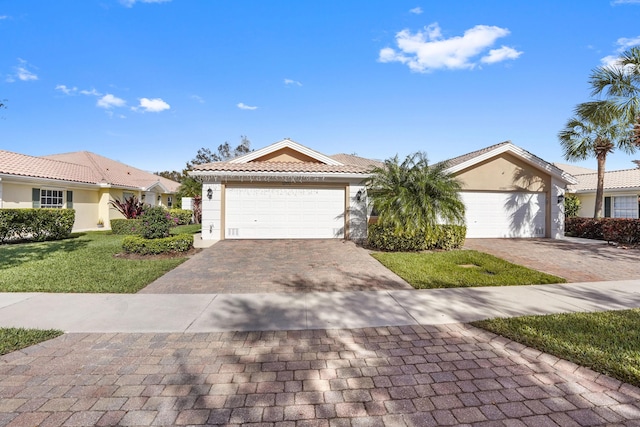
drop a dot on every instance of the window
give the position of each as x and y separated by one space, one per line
51 199
126 196
625 207
169 202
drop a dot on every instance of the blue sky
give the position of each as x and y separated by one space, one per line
149 82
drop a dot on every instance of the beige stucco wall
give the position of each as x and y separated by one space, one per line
504 173
587 205
85 203
16 196
287 155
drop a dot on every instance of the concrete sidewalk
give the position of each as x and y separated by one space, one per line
315 310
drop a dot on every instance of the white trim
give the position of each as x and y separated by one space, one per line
286 143
267 176
526 156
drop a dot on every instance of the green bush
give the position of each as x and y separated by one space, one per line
142 246
126 226
183 216
156 223
36 224
445 237
571 205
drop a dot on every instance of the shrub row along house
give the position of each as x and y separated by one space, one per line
80 180
287 190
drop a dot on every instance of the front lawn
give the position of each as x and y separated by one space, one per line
12 339
460 268
607 342
83 263
186 229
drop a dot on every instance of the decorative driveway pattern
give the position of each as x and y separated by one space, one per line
390 376
575 260
261 266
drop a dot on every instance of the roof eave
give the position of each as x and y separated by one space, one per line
266 176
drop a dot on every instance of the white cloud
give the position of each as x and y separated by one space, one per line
623 44
130 3
154 105
244 106
428 50
292 82
416 10
22 72
4 17
499 55
66 90
109 101
625 2
197 98
92 92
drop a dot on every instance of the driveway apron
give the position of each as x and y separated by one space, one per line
263 266
577 260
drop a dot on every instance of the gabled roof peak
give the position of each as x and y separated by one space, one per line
286 143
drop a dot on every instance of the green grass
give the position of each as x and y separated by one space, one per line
607 342
461 268
83 263
186 229
12 339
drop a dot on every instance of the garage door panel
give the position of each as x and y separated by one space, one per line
272 213
501 214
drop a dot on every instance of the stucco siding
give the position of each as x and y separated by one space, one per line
504 172
16 196
85 203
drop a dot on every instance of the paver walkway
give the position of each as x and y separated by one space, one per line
576 260
389 376
260 266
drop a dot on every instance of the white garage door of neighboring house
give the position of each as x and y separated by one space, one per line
284 213
504 214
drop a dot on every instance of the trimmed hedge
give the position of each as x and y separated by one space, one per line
445 237
35 224
126 226
182 215
172 244
619 230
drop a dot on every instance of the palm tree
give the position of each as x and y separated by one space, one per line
582 138
413 196
604 124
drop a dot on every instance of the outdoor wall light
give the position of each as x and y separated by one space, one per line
560 198
159 197
359 195
209 194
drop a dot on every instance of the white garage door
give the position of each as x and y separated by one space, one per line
284 213
504 214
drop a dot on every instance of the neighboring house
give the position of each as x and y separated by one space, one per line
621 191
81 180
287 190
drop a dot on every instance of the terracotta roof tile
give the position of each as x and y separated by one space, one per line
572 169
465 157
115 173
281 167
38 167
613 180
350 159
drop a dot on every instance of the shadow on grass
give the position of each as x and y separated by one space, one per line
15 254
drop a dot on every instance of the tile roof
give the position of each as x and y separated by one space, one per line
466 157
350 159
287 167
116 173
572 169
613 180
39 167
81 166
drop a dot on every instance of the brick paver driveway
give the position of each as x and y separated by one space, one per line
587 261
408 376
260 266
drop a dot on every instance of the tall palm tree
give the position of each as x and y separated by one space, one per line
607 123
414 196
582 138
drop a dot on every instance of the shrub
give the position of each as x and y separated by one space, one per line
142 246
156 222
571 205
36 224
126 226
183 216
131 208
445 237
619 230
